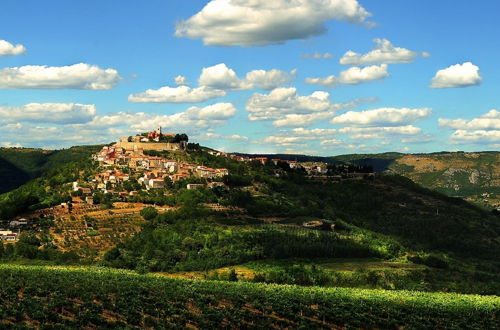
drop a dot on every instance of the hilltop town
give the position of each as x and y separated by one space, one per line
143 170
132 160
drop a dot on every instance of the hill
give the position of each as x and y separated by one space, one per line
243 236
259 214
19 165
474 176
98 298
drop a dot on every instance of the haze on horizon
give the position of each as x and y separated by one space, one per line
281 76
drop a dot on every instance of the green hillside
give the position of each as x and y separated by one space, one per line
384 232
19 165
386 218
98 298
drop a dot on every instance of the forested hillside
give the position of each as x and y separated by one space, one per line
19 165
243 241
474 176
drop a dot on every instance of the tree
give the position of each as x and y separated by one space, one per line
27 246
181 138
149 213
233 276
9 250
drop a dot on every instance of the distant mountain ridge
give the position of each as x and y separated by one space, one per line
471 175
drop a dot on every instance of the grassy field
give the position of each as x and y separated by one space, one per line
33 296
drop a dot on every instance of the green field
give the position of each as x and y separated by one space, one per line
77 297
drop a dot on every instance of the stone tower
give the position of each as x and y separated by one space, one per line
158 130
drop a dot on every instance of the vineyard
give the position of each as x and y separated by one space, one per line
94 297
90 231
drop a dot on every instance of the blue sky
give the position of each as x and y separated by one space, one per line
254 75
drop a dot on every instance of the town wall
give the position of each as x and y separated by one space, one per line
158 146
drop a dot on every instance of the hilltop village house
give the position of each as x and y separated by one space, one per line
155 140
126 161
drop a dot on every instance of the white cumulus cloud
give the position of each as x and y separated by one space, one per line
76 76
383 53
179 94
213 82
192 121
484 129
58 113
297 120
218 111
316 56
180 80
8 49
287 108
268 80
475 137
262 22
352 76
286 101
382 117
378 131
220 76
456 76
488 121
332 142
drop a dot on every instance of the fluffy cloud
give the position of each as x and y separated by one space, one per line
379 132
215 136
299 137
488 121
383 53
332 142
190 120
58 113
213 82
282 101
382 117
268 80
297 120
261 22
475 137
50 137
180 94
458 75
77 76
222 77
318 132
316 56
404 130
180 80
78 124
287 108
286 141
8 49
353 76
218 111
484 129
